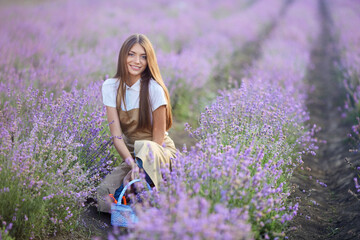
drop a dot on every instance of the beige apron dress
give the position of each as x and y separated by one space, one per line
153 156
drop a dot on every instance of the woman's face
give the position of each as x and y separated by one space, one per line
136 61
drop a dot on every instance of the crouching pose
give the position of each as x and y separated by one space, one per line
139 114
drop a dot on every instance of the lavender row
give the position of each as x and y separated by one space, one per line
346 14
249 142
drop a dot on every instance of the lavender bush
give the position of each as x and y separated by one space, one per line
50 159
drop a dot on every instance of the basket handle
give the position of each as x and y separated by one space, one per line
126 187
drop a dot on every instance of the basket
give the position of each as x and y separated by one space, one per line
123 215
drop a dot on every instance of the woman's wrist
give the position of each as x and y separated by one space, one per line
130 161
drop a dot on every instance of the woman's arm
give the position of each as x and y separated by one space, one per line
159 124
115 129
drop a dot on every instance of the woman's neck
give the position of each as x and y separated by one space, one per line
132 80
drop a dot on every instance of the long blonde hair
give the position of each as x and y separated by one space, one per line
151 71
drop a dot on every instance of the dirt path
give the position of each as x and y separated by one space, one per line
326 212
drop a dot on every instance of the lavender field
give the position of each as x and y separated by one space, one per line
268 92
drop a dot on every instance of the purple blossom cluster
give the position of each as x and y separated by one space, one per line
346 14
357 186
250 140
4 231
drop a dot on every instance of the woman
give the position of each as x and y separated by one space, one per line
139 114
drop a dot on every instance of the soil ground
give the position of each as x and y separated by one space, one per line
331 212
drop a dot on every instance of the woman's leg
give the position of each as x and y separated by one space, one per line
109 185
154 157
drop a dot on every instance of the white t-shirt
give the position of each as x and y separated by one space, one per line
132 96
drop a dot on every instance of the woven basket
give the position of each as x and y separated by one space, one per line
123 215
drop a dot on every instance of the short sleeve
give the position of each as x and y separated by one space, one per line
157 95
109 90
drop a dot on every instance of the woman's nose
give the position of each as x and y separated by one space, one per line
137 59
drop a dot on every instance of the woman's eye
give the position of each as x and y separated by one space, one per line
131 54
144 57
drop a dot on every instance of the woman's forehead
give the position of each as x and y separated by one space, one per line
137 48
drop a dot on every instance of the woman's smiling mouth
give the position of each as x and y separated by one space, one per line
135 68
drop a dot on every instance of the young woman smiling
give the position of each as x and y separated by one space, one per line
139 114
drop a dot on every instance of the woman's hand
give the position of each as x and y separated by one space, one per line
127 178
134 172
